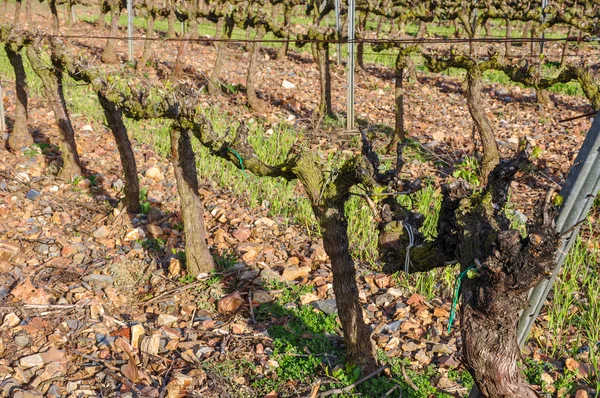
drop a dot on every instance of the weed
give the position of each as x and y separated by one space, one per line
31 152
226 260
178 226
346 374
144 203
468 170
186 280
76 180
153 244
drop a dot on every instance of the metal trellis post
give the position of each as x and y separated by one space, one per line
338 29
2 119
578 194
544 5
350 103
130 28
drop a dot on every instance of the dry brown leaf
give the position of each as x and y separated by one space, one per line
29 294
230 303
131 371
415 299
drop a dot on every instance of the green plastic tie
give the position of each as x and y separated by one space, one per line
457 284
239 157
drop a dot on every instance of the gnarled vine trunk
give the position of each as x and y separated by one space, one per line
198 259
114 118
491 156
255 103
19 137
224 29
53 91
109 56
141 63
17 19
287 17
321 55
328 206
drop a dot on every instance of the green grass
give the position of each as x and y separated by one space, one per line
575 300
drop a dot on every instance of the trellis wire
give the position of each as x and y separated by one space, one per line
436 40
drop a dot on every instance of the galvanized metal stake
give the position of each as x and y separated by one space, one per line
578 192
544 5
130 28
338 29
350 95
2 119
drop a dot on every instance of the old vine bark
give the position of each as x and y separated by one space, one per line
198 259
19 137
114 118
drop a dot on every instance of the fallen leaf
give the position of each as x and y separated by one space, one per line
29 294
230 303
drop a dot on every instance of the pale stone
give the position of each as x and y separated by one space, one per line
102 232
293 272
174 267
166 320
288 85
155 231
135 234
154 173
31 361
308 298
10 321
261 297
137 332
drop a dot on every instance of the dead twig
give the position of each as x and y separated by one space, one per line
391 390
408 380
315 389
251 307
351 386
173 291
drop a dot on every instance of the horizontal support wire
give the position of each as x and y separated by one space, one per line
331 41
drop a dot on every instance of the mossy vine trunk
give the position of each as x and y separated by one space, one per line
491 156
53 91
328 206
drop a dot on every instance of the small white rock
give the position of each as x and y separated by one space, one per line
135 234
10 321
288 85
31 361
137 332
166 320
154 173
